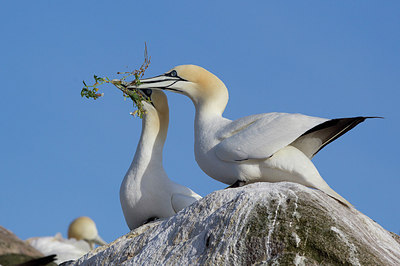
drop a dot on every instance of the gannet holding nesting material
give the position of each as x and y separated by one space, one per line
270 147
146 192
82 235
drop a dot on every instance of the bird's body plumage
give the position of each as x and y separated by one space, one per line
82 236
146 191
270 147
65 249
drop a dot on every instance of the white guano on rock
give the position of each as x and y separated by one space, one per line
255 224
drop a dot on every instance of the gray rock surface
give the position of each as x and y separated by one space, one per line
262 223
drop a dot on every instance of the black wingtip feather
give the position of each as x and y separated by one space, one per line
40 261
350 123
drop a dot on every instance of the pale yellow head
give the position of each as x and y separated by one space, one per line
205 89
159 103
84 228
156 117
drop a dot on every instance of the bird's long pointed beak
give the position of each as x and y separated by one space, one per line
123 86
161 82
99 241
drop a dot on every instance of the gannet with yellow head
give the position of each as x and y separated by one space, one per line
84 228
146 192
82 237
270 147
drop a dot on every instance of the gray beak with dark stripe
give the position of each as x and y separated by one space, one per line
162 82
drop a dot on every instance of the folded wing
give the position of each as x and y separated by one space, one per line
260 136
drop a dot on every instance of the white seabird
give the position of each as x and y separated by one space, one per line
270 147
146 192
82 236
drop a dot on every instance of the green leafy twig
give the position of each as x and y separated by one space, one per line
92 91
135 96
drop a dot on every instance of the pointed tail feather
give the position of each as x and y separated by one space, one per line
331 193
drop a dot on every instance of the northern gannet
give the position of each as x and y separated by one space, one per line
146 192
84 228
82 236
270 147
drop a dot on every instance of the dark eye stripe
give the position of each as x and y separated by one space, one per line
172 74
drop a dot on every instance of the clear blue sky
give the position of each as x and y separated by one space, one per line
63 156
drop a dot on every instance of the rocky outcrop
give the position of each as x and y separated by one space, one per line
262 223
14 251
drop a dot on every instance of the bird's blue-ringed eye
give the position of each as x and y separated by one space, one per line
173 73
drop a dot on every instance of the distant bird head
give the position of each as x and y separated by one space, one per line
205 89
84 228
